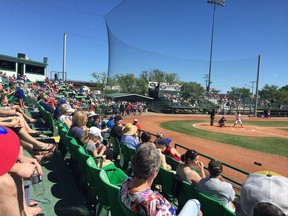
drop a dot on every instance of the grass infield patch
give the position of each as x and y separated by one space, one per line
271 145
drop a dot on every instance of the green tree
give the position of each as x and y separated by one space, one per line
193 88
269 94
242 94
273 95
146 76
157 75
172 78
127 83
283 96
101 79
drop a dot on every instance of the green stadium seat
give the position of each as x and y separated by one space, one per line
228 212
165 178
83 157
116 147
127 211
127 154
97 193
62 146
73 150
112 191
173 163
209 206
187 192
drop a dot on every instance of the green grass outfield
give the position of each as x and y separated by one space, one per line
271 145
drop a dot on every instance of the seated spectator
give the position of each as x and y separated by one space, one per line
110 122
189 171
129 136
20 94
167 149
92 140
104 122
78 126
66 114
116 130
222 121
7 109
14 166
263 195
51 106
159 135
214 186
93 120
146 137
136 193
160 147
39 150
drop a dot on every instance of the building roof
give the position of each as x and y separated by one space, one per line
22 60
128 97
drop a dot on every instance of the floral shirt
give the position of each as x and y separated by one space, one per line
146 202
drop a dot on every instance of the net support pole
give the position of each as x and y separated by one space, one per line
257 84
64 58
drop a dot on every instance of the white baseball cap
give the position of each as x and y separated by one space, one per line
263 188
96 132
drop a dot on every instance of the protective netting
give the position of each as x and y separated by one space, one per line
138 42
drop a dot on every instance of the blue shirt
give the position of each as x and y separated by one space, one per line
110 124
76 132
130 141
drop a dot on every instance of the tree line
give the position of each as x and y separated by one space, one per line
272 95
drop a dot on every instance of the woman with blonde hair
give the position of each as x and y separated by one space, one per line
78 126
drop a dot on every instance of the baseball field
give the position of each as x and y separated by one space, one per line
260 145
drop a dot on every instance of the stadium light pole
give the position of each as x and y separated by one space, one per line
222 4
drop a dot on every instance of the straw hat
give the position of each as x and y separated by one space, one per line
91 114
129 129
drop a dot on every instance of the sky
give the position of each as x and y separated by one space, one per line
169 35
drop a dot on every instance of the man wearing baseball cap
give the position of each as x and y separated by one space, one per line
116 130
214 186
264 194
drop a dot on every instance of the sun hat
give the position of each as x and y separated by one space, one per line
91 114
66 108
215 167
263 188
129 129
96 132
135 120
9 148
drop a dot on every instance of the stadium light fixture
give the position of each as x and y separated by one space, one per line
222 4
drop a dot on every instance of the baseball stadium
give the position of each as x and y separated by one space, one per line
146 136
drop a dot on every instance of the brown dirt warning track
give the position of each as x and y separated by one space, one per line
236 156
